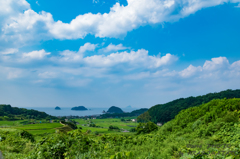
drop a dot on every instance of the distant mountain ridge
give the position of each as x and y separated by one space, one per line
166 112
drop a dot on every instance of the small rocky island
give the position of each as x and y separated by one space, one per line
79 108
57 108
114 109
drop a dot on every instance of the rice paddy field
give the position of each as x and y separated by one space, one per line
103 124
48 128
35 129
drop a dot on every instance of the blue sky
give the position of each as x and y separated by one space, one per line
103 53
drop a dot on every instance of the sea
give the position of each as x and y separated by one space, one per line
66 111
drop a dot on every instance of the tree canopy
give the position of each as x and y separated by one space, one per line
165 112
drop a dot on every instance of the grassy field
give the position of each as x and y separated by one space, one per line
38 129
32 128
10 123
105 123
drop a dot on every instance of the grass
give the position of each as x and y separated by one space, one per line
105 123
40 129
10 123
35 129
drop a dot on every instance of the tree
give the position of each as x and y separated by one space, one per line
145 117
146 127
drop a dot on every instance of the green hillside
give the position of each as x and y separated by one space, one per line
7 112
208 131
166 112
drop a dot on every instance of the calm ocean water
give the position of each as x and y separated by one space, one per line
67 111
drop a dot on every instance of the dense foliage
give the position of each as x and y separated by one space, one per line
70 124
12 112
148 127
111 128
166 112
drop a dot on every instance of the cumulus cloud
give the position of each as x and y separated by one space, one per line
87 47
216 63
139 58
73 56
23 26
112 48
76 64
218 67
134 58
190 71
35 55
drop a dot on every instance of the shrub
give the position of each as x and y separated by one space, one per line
27 135
133 130
146 127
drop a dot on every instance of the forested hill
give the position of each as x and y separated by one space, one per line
131 114
166 112
8 110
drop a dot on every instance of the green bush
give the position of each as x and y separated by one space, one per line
27 135
146 127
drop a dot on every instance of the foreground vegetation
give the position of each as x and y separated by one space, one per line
211 130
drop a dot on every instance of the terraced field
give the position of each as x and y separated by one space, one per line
105 123
32 128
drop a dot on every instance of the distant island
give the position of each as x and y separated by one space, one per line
79 108
57 108
114 109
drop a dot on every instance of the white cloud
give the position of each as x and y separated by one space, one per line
9 51
236 65
112 48
191 70
32 26
87 47
13 7
71 56
216 63
35 55
138 58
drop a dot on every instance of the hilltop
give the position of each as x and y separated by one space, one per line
166 112
114 109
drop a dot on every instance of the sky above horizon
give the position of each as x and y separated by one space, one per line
101 53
